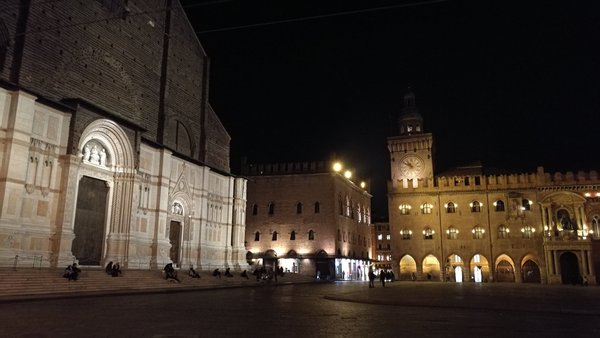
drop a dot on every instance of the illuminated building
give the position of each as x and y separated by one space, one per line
467 224
308 218
383 250
111 150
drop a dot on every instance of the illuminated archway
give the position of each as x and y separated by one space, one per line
453 274
408 268
480 268
505 269
431 268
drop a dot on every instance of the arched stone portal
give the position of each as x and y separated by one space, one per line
431 268
505 271
408 268
569 269
90 220
531 272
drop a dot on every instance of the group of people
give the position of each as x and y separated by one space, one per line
383 277
72 272
217 273
113 269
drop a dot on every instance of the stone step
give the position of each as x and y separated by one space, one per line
29 282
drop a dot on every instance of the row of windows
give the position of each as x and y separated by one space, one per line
299 208
351 237
477 232
451 207
347 208
275 235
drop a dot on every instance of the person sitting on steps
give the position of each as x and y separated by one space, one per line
109 268
170 273
245 274
116 270
217 273
192 273
228 273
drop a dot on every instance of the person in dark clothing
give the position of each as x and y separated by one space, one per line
192 273
109 268
228 272
116 270
217 273
371 279
245 274
170 273
382 275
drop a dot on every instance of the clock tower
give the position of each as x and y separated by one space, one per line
411 151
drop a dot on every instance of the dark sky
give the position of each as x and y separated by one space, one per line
514 84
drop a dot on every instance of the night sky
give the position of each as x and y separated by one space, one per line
513 84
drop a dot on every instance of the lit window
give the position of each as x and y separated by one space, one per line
426 208
452 233
477 258
450 208
478 232
499 205
475 206
405 234
503 231
404 209
528 231
388 237
428 233
379 237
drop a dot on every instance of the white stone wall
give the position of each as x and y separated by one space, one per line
39 195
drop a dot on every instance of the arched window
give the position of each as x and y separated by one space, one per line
311 235
299 208
426 208
317 207
255 209
503 231
595 232
450 208
293 235
478 232
475 206
257 236
452 233
404 209
405 234
428 233
271 208
274 236
528 231
526 204
499 205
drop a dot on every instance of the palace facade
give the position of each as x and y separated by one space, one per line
467 224
308 218
110 148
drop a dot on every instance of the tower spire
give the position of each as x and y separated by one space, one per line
410 120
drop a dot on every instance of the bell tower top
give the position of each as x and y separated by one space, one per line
410 121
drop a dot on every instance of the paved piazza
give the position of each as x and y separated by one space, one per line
342 309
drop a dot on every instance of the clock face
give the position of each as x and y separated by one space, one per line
411 166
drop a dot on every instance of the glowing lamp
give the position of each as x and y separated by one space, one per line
337 167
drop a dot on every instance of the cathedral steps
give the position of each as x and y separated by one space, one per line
45 283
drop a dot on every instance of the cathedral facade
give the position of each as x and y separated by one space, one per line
470 225
111 150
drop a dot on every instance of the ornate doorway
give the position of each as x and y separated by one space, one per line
531 272
175 241
569 269
90 220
